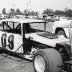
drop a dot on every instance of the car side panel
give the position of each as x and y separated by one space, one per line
10 41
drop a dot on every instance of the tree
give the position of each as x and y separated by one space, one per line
68 12
48 11
26 12
34 13
18 11
12 11
4 11
59 12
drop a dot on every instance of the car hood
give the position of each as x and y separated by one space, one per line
44 39
64 23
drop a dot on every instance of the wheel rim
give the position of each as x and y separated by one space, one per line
39 64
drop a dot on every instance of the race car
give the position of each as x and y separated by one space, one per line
30 38
14 33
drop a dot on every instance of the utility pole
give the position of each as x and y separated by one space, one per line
29 6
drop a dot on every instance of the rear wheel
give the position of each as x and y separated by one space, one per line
47 60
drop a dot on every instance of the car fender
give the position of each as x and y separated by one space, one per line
65 45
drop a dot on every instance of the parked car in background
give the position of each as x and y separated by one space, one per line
62 18
59 27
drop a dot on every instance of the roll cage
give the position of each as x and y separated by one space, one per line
10 27
70 35
17 25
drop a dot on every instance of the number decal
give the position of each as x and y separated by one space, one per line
11 42
3 40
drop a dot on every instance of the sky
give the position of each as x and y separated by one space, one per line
36 5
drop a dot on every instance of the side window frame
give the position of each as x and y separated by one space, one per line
4 23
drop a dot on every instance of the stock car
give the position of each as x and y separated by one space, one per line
30 38
14 34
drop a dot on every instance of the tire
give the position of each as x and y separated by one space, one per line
61 32
47 60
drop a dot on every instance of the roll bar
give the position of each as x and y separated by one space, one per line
70 35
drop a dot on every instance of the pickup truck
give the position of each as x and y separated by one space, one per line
59 27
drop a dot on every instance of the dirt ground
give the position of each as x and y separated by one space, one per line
10 63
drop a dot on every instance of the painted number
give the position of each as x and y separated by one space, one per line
3 40
10 41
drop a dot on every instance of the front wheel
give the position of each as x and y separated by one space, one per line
47 60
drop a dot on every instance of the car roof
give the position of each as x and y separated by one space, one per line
24 20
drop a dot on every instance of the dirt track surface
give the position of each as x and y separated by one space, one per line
10 63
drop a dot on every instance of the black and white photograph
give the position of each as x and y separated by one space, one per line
35 35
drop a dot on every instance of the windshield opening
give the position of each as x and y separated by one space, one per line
37 27
34 27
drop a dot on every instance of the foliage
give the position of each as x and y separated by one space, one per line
34 13
18 12
12 12
4 11
48 11
59 12
67 12
27 12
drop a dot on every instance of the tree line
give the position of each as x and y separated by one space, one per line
67 12
18 12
